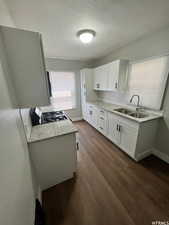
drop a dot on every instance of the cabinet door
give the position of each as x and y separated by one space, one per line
96 79
83 95
113 133
113 75
100 78
89 113
27 73
92 115
128 138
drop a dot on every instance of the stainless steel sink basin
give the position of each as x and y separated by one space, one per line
131 113
124 111
138 115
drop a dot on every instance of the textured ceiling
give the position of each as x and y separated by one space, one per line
116 22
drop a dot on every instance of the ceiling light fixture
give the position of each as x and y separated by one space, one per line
86 36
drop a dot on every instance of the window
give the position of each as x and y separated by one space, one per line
63 90
148 79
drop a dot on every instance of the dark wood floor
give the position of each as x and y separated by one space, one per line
110 188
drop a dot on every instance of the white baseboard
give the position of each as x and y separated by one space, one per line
154 152
161 155
76 119
143 155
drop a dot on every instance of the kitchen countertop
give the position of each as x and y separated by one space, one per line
112 107
50 130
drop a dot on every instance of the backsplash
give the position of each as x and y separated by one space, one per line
113 97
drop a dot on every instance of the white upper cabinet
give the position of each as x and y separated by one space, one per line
101 77
111 76
117 75
23 54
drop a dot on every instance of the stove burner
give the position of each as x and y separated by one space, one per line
55 116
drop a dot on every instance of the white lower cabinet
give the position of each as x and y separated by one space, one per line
135 139
92 115
128 138
122 133
54 159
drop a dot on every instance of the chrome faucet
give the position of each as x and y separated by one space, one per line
138 101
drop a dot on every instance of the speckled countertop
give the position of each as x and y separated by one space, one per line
151 115
49 130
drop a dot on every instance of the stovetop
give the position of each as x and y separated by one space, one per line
48 117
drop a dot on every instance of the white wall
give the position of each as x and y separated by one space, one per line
17 194
5 17
69 65
153 45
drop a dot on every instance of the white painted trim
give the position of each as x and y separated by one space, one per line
76 119
143 155
39 194
154 152
161 155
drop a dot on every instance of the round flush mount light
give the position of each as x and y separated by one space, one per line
86 36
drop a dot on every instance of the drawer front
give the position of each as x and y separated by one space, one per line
102 122
102 113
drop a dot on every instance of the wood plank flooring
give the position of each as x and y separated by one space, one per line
110 188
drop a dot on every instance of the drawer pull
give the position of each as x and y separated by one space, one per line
101 111
97 85
101 128
101 118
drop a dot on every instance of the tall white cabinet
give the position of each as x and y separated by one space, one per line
87 92
22 58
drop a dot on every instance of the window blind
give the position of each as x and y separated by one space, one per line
148 79
63 90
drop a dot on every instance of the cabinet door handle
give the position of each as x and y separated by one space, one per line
117 127
77 145
101 118
116 85
101 111
101 128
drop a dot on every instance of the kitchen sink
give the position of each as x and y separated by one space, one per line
131 113
124 111
138 115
